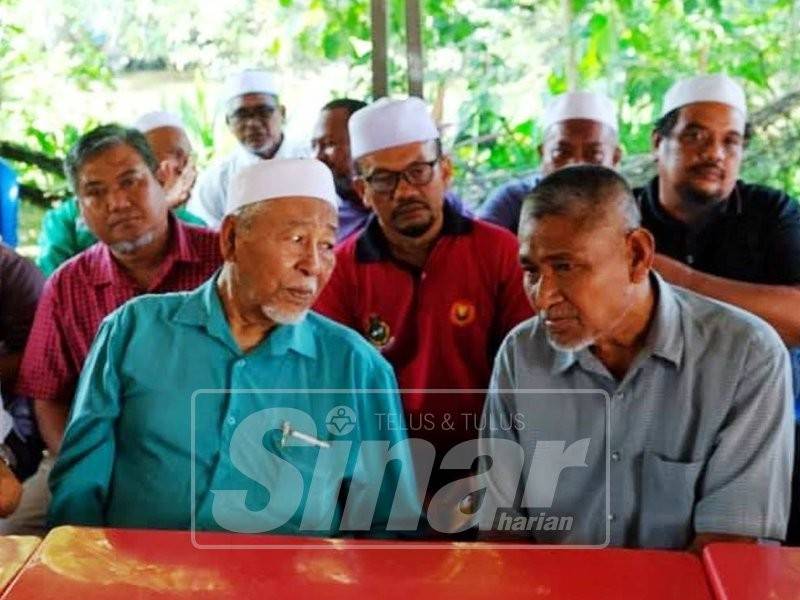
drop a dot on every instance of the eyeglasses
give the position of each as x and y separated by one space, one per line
417 174
259 113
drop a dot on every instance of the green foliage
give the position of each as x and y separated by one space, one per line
490 64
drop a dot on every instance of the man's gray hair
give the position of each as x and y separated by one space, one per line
584 192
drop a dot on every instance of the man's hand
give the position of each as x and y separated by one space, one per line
177 185
673 271
10 491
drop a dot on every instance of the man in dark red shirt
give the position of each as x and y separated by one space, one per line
142 249
435 290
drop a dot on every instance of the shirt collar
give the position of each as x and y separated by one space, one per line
371 245
203 308
664 338
108 271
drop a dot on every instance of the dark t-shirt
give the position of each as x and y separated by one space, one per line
20 287
754 236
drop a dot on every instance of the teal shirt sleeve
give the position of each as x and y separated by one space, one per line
61 237
381 418
81 477
188 217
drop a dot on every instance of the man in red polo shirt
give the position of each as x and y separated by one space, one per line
435 290
142 249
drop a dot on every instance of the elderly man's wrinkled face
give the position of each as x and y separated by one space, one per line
578 141
282 255
701 157
579 276
405 186
257 122
331 144
170 144
120 199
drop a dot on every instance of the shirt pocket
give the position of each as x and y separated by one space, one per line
668 495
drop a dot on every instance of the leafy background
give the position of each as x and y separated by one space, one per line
490 67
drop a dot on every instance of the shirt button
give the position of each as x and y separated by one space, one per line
231 421
612 517
615 456
618 396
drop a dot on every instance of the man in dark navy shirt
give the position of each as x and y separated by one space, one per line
578 128
716 235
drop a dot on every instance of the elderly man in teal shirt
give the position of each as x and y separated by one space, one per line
232 406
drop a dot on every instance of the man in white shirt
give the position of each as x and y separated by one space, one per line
255 116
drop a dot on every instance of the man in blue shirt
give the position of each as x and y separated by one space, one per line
270 416
578 127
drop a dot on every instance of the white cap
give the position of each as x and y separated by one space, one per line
281 178
157 118
249 81
581 105
705 88
390 122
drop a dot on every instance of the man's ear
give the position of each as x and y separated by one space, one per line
642 251
360 189
81 209
446 167
165 173
617 156
282 108
655 141
227 237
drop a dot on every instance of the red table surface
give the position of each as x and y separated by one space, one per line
747 571
14 551
113 563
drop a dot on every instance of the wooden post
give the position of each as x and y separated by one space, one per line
416 69
380 74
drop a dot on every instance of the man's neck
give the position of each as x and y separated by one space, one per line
271 152
349 195
143 263
249 327
618 350
682 209
413 251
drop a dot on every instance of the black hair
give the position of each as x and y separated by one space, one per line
664 125
99 139
349 104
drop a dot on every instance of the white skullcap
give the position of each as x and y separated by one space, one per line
249 81
705 88
390 122
281 178
580 105
157 118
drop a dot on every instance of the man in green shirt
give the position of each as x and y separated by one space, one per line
64 232
268 418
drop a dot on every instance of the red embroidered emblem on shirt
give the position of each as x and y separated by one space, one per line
462 313
378 331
